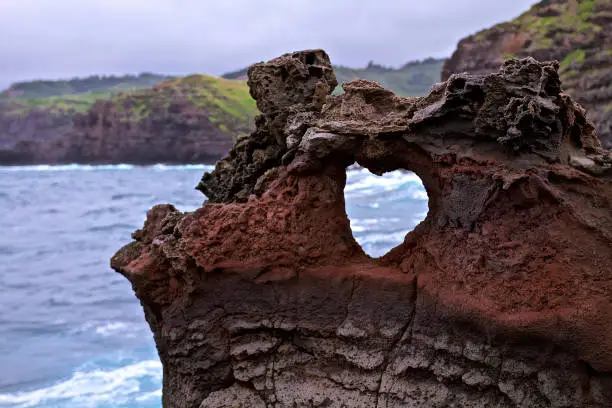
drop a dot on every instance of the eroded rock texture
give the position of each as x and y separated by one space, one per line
578 33
501 297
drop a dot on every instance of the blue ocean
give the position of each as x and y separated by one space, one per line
72 333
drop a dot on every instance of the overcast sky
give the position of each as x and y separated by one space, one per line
66 38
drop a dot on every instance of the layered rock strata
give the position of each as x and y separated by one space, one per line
501 297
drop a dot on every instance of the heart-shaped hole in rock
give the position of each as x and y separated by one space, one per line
383 209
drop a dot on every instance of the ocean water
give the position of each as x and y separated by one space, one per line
72 333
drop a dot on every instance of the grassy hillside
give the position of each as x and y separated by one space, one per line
577 33
224 100
571 31
95 84
55 105
547 23
206 92
412 79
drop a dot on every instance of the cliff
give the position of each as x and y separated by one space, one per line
501 297
578 33
183 120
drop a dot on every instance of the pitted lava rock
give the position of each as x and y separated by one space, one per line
501 297
576 32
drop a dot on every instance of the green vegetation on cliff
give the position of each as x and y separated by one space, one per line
548 24
577 33
571 31
412 79
91 84
56 105
226 102
576 56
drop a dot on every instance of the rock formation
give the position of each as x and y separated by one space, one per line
501 297
578 33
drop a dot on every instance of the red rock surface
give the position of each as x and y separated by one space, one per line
501 297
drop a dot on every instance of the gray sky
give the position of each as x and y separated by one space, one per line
66 38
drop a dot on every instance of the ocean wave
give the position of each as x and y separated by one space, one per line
363 181
356 172
150 395
377 245
392 236
135 382
112 227
94 167
113 328
102 211
123 196
68 167
361 224
420 195
406 192
5 250
163 167
109 329
419 217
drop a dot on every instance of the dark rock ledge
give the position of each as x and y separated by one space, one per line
501 297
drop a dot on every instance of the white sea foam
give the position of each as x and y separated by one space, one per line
373 221
94 388
372 239
163 167
419 217
113 328
420 195
109 329
150 395
379 244
365 182
67 167
90 167
363 224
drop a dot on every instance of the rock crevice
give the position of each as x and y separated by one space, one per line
501 297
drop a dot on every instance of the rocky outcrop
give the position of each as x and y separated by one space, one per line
185 120
501 297
575 32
